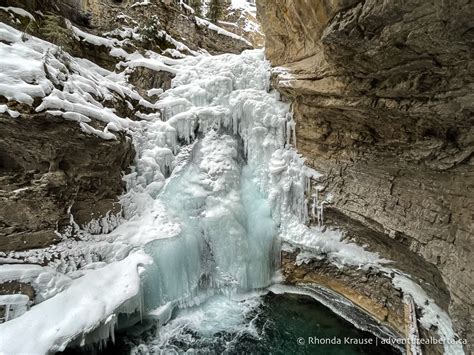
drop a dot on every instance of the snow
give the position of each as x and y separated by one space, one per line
248 15
330 244
180 47
204 23
84 305
35 68
14 299
18 11
244 5
154 92
95 40
12 113
141 3
149 63
45 281
22 77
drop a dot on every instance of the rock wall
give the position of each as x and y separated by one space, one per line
102 17
382 97
49 169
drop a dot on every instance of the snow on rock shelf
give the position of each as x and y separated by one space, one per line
73 88
431 314
45 281
205 23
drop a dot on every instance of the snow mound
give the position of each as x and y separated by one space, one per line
90 302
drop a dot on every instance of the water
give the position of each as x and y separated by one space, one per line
268 324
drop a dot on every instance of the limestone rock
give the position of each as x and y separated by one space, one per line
382 96
48 166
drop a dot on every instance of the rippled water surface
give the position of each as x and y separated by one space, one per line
276 324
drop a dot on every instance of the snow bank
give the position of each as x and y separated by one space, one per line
46 281
88 303
149 63
95 40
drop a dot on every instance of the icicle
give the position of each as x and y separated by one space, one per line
293 126
321 211
314 206
305 219
288 133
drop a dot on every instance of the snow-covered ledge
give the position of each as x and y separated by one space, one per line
89 303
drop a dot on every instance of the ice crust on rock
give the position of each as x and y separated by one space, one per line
46 281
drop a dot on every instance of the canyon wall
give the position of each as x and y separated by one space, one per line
382 93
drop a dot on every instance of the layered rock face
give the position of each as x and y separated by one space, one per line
383 104
48 170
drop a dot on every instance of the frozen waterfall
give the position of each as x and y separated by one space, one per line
217 183
208 226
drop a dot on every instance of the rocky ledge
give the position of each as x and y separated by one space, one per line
371 288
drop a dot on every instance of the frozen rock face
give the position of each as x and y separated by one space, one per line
241 19
382 96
